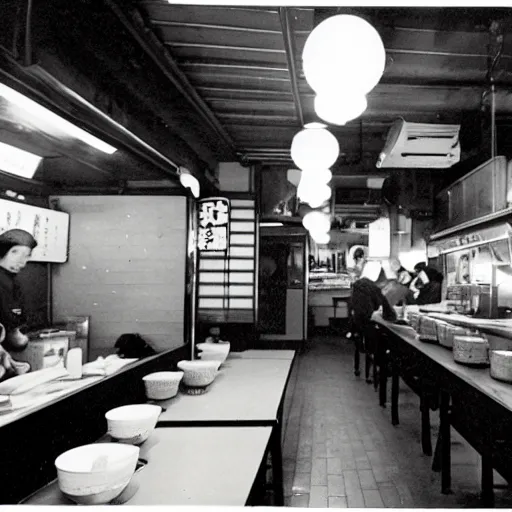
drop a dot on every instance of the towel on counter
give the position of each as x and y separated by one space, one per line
104 366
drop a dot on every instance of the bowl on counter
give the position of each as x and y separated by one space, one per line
132 424
162 385
199 373
501 365
214 351
95 474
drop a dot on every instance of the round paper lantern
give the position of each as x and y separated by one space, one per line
339 109
321 238
314 148
317 221
315 176
316 193
344 52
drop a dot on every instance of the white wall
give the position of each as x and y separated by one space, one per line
126 268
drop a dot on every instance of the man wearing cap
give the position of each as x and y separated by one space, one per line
16 246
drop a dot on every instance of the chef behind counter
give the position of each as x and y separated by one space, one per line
16 247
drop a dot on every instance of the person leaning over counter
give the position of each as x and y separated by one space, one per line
427 285
16 247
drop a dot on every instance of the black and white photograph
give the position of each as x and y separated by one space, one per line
255 254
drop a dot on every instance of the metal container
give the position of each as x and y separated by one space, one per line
471 350
501 365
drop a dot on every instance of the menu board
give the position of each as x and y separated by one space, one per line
50 228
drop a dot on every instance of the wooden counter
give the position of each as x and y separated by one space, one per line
320 301
215 466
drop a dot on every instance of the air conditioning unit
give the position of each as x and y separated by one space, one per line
421 145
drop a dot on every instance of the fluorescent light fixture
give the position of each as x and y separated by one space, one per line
46 116
189 181
17 161
270 224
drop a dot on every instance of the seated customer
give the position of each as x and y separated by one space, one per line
429 282
366 298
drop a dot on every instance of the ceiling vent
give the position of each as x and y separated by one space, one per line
418 145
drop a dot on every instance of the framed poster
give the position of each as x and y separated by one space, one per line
50 228
213 224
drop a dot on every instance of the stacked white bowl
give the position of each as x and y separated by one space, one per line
132 424
214 351
162 385
198 373
95 474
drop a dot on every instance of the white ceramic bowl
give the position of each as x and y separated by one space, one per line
199 373
162 385
95 474
132 423
213 351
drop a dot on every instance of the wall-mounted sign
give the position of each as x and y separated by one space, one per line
213 224
50 228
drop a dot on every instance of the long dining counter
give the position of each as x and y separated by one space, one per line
212 447
189 466
477 406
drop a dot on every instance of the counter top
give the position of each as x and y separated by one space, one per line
329 287
189 466
479 378
496 327
244 390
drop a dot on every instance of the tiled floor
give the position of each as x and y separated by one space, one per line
340 449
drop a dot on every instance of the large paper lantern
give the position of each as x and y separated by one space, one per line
317 222
344 52
313 175
321 238
340 108
314 148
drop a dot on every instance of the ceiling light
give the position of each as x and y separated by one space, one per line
18 162
341 49
271 224
314 149
189 181
340 108
316 176
46 116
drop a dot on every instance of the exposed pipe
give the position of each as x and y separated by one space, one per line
28 35
161 57
284 16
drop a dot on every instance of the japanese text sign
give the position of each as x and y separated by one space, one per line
213 225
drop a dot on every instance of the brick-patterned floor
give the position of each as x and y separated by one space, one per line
340 449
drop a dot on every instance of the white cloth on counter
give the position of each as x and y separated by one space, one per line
104 366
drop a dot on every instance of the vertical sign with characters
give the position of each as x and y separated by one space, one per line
213 225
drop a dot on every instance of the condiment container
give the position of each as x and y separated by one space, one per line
471 350
74 363
501 365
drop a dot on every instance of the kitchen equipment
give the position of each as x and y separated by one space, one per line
162 385
132 424
501 365
198 373
95 474
42 353
471 350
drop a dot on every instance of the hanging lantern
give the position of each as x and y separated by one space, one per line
314 148
319 199
313 175
321 238
317 222
344 52
339 109
314 193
